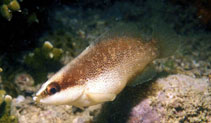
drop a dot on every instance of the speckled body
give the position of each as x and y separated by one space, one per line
100 72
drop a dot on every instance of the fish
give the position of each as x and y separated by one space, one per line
102 70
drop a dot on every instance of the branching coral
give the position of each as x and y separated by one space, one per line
5 104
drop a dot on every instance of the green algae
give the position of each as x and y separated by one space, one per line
14 5
169 64
32 18
68 40
42 60
5 107
2 93
5 12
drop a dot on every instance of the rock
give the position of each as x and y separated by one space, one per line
180 98
25 83
19 99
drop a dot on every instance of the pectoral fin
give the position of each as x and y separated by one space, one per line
146 75
100 97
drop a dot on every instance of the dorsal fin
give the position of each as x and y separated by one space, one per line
120 30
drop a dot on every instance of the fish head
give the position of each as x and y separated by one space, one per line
53 92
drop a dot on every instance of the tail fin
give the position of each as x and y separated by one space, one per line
168 41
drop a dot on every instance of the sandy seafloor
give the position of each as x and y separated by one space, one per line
183 94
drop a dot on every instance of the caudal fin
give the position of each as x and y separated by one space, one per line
168 41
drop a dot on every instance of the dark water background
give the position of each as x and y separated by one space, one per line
71 24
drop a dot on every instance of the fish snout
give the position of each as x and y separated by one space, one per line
36 99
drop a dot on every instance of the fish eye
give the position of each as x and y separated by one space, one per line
53 88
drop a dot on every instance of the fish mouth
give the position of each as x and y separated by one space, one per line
36 98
